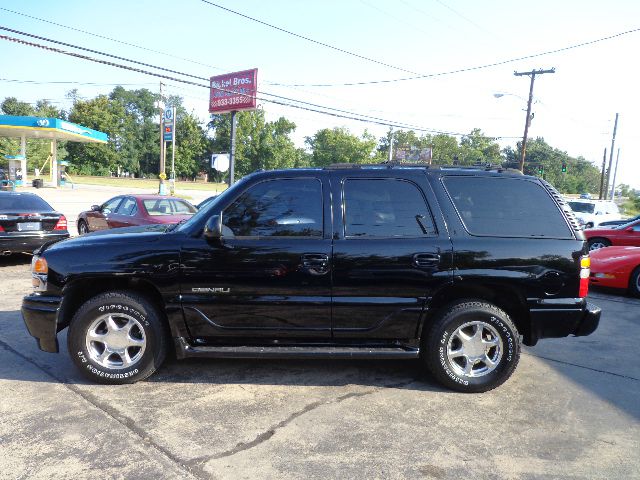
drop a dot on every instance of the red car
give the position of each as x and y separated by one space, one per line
616 267
627 234
132 210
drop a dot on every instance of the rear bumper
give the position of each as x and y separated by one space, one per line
40 315
28 243
563 317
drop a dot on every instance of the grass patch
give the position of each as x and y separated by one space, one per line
145 183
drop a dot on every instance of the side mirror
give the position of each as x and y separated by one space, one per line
213 229
96 208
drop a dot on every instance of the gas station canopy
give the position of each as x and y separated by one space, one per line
53 129
48 128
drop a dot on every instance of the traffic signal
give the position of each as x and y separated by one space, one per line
540 169
564 168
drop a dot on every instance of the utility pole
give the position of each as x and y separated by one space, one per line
390 144
232 151
602 174
615 173
613 142
532 74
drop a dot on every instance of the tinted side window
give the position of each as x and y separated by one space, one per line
385 208
278 208
506 207
127 207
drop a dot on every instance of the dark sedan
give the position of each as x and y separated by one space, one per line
27 222
134 210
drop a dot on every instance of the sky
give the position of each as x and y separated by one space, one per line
574 107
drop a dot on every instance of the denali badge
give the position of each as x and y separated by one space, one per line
210 290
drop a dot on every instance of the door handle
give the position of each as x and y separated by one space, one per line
315 263
423 260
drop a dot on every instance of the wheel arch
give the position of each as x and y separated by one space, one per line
501 295
78 292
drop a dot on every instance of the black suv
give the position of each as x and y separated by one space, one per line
449 265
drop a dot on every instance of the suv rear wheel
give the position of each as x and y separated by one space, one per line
117 338
472 346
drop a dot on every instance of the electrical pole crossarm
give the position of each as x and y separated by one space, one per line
535 72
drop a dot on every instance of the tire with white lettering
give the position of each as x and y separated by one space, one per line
117 337
471 346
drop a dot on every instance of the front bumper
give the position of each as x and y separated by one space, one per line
563 317
40 315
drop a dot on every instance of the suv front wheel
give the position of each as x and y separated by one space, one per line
472 346
116 338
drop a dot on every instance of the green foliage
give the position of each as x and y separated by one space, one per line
581 175
259 144
338 145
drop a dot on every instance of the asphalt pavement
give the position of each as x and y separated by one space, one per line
571 411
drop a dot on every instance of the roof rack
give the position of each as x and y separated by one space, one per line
488 167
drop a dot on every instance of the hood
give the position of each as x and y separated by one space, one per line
128 235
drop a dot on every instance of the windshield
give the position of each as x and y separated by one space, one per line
626 225
582 207
23 203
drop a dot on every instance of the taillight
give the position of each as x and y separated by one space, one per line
62 223
1 229
585 271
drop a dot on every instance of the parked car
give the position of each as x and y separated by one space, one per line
627 234
590 213
134 210
27 222
617 267
620 221
433 264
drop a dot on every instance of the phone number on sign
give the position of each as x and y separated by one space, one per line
223 102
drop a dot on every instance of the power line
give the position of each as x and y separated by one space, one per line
359 117
460 70
71 82
348 114
308 39
111 39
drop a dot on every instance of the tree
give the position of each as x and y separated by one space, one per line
259 144
338 145
106 116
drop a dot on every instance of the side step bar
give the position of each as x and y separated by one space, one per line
184 350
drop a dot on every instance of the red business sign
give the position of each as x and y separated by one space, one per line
233 91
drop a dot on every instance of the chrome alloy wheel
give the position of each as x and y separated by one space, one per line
115 341
474 349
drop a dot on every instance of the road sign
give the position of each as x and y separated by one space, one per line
168 132
168 115
233 91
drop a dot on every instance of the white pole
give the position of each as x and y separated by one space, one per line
23 160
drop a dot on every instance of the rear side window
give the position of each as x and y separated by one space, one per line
23 204
277 208
506 207
386 207
127 207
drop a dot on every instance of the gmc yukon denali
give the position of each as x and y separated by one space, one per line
454 267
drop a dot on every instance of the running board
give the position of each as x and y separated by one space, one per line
311 351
